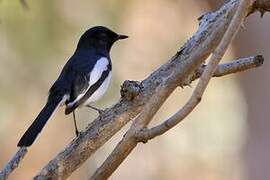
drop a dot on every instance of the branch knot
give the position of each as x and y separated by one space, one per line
142 135
130 89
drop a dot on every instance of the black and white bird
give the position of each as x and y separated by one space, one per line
83 80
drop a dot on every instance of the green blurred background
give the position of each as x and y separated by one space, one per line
226 137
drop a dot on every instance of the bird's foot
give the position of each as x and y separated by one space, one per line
100 111
78 133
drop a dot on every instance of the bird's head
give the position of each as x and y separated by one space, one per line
99 38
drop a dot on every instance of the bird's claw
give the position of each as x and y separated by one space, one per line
78 133
100 111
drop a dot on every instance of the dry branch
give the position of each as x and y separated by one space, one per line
129 141
223 69
131 88
13 163
211 30
190 57
204 80
137 98
235 66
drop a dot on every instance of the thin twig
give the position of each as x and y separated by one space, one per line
234 66
13 163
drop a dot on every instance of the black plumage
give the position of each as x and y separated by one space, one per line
82 77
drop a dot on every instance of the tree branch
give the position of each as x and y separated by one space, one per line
234 66
172 74
119 154
190 56
224 69
131 89
13 163
129 141
137 98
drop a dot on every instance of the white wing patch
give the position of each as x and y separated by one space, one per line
100 91
100 66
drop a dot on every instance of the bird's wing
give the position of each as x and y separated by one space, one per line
86 83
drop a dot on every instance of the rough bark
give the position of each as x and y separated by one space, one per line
141 100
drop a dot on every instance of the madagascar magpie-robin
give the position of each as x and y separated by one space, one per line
83 80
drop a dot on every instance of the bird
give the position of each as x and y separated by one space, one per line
83 80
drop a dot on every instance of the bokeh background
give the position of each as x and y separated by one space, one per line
226 137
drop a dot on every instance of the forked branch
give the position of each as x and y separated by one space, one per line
130 140
141 100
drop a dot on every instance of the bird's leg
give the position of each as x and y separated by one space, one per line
75 124
100 111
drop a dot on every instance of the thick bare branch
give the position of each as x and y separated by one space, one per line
170 75
136 96
13 163
128 143
131 88
204 80
222 70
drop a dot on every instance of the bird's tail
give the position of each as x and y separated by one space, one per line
32 132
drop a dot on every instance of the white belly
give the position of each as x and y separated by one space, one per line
100 91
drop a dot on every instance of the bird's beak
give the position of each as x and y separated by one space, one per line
120 36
